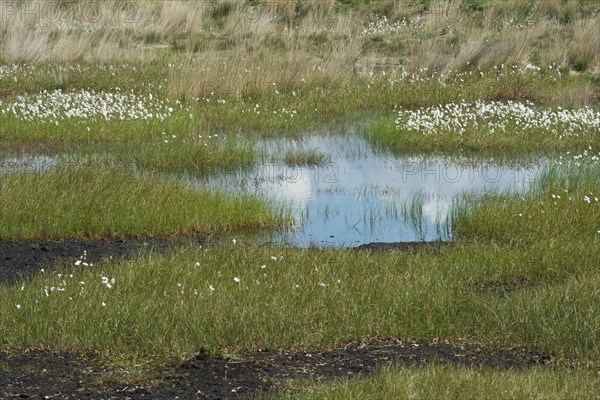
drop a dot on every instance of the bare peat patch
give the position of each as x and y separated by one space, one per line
25 258
37 374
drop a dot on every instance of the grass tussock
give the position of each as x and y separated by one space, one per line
306 158
585 47
21 45
94 202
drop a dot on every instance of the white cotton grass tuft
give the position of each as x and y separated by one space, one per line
57 106
497 118
383 26
108 282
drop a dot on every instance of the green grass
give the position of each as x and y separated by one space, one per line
340 297
476 141
544 252
307 158
93 201
562 205
311 298
35 78
71 133
445 382
295 108
199 154
302 297
317 102
504 240
524 270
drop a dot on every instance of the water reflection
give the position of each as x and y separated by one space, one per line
26 164
358 196
361 196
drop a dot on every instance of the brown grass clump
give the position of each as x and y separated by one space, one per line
584 49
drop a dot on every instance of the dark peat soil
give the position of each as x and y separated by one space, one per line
43 374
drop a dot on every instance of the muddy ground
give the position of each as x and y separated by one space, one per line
26 258
39 374
49 375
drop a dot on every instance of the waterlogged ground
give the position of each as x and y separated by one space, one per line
26 164
345 194
354 195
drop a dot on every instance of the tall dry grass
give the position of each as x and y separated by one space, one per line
288 40
23 45
238 73
584 49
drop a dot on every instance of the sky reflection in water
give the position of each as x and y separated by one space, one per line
361 196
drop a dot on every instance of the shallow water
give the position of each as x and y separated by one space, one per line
358 196
361 196
26 164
